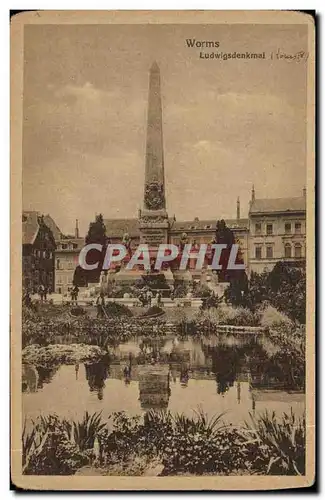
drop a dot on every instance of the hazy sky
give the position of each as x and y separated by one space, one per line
227 124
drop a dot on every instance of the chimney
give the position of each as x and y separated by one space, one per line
76 231
253 194
304 192
238 208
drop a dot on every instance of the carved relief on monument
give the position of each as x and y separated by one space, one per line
153 219
154 197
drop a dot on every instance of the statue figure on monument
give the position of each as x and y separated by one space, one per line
184 241
126 240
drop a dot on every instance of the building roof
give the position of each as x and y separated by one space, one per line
31 220
200 225
274 205
30 227
49 222
118 227
115 228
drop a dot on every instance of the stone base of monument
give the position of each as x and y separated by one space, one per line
169 277
185 276
127 276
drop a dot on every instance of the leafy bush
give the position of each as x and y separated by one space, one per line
85 432
154 311
181 290
243 317
284 287
115 309
229 315
281 443
201 290
49 450
173 443
271 317
77 311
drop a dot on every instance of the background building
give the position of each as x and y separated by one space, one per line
66 259
37 252
277 231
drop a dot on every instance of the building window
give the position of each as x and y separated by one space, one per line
64 246
297 250
269 229
287 250
269 252
287 228
58 263
258 252
258 228
297 227
75 245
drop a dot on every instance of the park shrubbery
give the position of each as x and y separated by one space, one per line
284 288
228 315
118 310
179 444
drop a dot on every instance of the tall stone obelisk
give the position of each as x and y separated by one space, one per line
154 218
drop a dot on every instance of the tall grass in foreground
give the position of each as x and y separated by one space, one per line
267 444
184 424
53 441
283 439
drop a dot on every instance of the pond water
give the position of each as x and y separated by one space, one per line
182 375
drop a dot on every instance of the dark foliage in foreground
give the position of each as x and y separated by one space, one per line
181 444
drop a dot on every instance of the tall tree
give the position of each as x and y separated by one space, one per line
97 231
96 234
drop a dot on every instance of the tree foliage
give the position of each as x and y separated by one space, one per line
284 288
96 234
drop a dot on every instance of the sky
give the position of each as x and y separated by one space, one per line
226 124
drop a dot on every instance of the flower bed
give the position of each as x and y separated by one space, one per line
61 354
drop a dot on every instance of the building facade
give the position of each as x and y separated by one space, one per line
277 232
66 260
37 253
274 231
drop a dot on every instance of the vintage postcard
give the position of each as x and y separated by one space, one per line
162 271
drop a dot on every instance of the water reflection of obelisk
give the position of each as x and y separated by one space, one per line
153 217
154 389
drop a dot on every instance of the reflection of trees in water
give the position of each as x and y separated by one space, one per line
45 375
34 377
96 374
29 378
226 364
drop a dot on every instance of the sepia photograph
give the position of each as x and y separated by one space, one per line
162 275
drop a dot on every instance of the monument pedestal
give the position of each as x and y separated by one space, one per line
153 225
184 276
128 276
